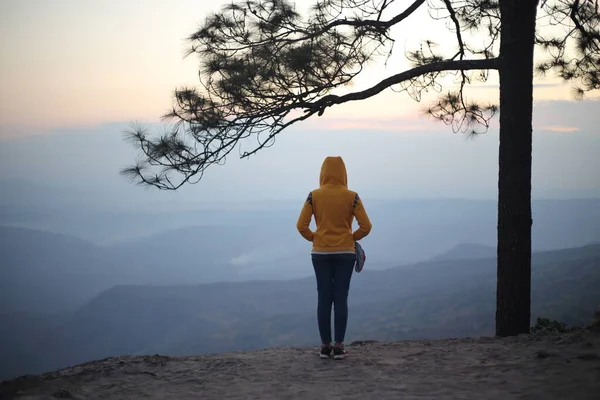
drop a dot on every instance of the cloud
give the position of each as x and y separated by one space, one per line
390 124
495 86
240 260
558 128
256 256
14 131
567 116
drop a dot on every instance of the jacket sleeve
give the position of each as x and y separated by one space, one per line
364 224
303 224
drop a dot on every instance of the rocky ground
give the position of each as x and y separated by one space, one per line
563 366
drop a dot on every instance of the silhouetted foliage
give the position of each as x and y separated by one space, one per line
265 66
596 322
546 325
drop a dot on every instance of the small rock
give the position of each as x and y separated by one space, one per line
589 357
63 394
544 354
362 342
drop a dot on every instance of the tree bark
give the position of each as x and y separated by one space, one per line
513 294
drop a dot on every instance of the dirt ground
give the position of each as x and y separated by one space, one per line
525 367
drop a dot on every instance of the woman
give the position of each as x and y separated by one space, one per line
333 257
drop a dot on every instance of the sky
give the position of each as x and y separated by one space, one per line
76 73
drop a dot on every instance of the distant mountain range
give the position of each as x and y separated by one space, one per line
441 298
50 272
78 283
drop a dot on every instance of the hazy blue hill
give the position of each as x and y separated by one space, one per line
29 194
565 290
447 298
209 254
466 251
150 319
20 336
405 231
567 254
187 248
51 272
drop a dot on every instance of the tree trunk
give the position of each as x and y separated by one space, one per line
513 294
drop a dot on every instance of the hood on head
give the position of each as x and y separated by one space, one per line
333 172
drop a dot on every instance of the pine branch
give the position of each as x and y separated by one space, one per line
446 65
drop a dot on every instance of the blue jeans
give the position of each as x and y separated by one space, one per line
333 273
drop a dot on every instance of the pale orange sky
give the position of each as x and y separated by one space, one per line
74 73
78 63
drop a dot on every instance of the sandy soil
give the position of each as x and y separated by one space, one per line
525 367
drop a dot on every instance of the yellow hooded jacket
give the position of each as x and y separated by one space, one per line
334 208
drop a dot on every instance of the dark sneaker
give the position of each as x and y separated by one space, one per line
325 352
339 353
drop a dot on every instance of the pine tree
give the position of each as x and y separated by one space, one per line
265 66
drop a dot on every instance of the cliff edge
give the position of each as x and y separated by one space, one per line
563 366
